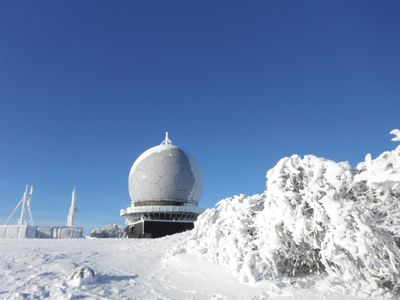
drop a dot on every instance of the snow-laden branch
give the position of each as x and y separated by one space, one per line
396 133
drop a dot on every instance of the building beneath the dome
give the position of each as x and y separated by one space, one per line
165 187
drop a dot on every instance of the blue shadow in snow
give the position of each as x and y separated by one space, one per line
110 278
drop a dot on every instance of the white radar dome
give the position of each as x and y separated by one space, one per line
165 175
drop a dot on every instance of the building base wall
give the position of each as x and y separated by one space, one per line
40 232
156 229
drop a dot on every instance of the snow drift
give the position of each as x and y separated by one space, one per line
316 218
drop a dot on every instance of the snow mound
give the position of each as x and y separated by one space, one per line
81 276
109 231
311 221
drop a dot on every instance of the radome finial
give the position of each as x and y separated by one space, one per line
167 141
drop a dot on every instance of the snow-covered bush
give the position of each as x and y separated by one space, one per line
378 186
227 234
316 216
312 223
109 231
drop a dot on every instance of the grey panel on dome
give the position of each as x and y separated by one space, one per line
165 174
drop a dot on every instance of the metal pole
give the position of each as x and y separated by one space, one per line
24 199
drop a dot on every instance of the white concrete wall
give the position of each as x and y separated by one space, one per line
13 231
40 232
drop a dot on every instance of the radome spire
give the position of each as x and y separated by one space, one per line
167 141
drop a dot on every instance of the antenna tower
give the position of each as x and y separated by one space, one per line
25 204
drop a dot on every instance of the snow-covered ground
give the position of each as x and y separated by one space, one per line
125 269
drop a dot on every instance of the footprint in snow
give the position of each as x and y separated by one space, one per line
217 297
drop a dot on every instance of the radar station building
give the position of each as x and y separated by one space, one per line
165 187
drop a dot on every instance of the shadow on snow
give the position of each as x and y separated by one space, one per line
110 278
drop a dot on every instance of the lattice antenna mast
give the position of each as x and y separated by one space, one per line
73 209
26 207
29 205
25 204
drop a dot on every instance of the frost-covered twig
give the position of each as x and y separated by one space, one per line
396 133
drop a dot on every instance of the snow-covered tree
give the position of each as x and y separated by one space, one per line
316 216
110 231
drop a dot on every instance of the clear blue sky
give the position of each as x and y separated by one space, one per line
86 86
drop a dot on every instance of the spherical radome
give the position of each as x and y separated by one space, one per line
165 173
